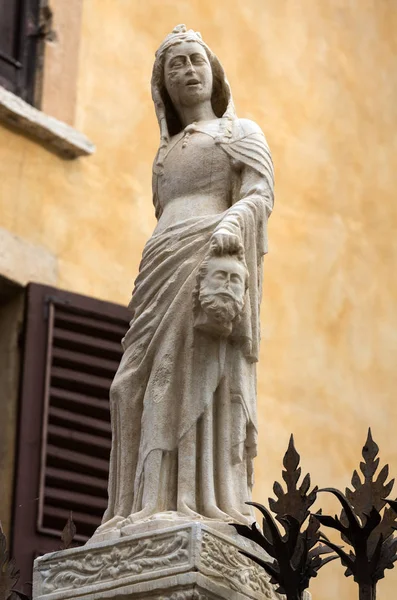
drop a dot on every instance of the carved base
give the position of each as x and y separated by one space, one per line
184 562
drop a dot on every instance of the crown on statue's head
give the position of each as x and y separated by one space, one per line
180 33
180 29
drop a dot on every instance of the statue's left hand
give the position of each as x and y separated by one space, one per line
224 242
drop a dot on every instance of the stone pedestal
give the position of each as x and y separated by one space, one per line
191 561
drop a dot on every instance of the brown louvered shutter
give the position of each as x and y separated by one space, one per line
72 350
19 42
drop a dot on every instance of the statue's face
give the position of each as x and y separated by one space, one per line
187 74
222 289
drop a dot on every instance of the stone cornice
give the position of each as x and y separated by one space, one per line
56 135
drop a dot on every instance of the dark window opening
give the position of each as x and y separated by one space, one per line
20 40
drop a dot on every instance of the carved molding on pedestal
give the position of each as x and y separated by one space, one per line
129 557
184 562
186 595
224 562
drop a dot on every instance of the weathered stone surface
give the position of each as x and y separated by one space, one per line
23 262
59 136
187 562
183 401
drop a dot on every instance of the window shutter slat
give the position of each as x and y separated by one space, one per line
68 418
88 484
65 437
83 383
86 344
56 518
89 364
74 500
80 404
113 331
77 461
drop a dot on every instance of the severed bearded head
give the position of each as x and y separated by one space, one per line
222 283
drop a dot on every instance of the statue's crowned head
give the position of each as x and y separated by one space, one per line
166 85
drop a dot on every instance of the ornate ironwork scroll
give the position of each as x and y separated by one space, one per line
364 526
295 556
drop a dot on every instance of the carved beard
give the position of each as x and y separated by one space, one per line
219 308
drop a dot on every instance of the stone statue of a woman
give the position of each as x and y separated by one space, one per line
183 401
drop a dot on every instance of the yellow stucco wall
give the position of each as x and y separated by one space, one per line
320 79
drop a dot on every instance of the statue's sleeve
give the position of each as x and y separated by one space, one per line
247 218
254 196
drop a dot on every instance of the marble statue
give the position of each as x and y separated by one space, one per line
183 401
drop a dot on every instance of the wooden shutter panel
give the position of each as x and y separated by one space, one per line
72 350
19 40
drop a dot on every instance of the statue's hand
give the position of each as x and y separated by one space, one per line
224 242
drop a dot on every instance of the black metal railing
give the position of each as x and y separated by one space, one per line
367 524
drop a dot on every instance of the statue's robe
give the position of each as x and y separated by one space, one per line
171 373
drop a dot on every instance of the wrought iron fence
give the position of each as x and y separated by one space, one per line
367 524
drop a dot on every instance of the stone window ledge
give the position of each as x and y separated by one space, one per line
56 135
